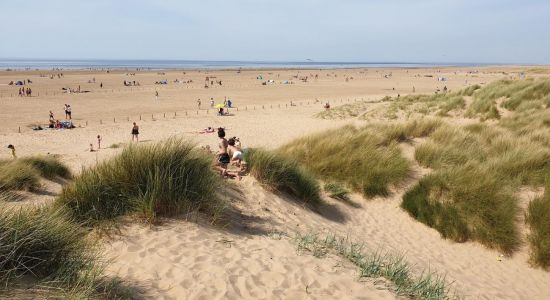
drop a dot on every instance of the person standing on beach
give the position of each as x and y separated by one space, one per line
199 103
135 132
98 141
69 112
12 147
156 95
101 85
51 116
212 102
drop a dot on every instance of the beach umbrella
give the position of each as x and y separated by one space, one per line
219 105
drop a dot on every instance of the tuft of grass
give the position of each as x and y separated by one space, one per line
375 265
15 175
466 203
440 104
48 166
367 159
24 173
538 219
53 255
501 152
117 145
516 95
41 242
280 173
336 191
344 111
166 178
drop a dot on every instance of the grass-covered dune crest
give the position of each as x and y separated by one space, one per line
44 254
25 173
367 159
281 173
166 178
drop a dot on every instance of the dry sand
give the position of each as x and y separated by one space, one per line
251 259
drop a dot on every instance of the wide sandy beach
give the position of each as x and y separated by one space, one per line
255 257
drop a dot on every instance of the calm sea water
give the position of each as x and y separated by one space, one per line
28 64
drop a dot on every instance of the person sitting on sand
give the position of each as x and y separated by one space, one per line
12 147
135 132
207 130
58 124
327 106
220 111
222 157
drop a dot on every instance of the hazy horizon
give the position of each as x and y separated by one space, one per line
424 31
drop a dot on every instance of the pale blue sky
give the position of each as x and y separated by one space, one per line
339 30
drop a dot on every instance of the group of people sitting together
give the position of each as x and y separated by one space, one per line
131 83
67 124
230 153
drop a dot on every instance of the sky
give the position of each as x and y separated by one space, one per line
459 31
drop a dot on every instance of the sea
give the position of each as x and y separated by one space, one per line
101 64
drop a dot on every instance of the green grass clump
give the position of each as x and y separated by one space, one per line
506 155
166 178
440 104
470 195
336 191
280 173
538 219
466 203
48 166
367 159
42 243
392 267
15 175
516 94
44 253
24 173
345 111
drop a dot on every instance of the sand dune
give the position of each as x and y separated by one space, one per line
255 258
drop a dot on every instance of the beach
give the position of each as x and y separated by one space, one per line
255 257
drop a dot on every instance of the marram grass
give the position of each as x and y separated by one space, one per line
54 255
25 173
392 267
167 178
367 159
538 219
283 174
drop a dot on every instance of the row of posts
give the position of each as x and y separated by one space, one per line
197 112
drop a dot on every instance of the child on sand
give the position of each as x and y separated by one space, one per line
223 158
135 132
237 157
